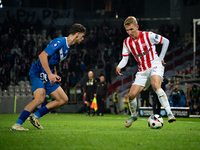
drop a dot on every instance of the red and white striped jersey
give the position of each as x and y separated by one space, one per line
143 49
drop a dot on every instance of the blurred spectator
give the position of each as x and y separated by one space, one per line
177 97
145 98
26 24
16 74
108 70
189 67
63 78
4 82
23 71
82 65
101 91
39 50
87 61
73 79
78 69
79 92
168 90
194 96
195 110
80 55
32 27
116 102
2 58
31 42
125 104
38 26
64 31
51 29
6 71
65 87
65 67
14 51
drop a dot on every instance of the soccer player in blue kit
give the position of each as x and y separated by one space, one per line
44 81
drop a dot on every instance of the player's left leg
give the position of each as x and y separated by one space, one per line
61 99
156 85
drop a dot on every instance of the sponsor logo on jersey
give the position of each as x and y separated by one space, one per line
142 54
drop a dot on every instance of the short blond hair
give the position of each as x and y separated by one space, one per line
130 20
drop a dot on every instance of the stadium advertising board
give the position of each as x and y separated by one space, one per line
177 111
59 17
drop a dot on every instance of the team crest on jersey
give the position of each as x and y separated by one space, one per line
66 51
144 46
156 37
55 45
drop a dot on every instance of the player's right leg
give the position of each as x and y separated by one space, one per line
132 102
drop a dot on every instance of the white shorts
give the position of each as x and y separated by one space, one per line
144 78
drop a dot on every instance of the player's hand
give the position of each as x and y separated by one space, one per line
53 78
118 70
58 78
163 63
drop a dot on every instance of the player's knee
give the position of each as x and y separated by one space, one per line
155 86
64 101
39 101
132 96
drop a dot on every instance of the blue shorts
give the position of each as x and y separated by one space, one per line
37 83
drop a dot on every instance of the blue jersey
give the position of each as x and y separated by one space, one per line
57 50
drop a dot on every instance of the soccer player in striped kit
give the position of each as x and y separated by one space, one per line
141 45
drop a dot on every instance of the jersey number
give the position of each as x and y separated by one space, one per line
43 77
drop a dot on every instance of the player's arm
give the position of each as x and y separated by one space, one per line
123 62
49 51
121 65
158 39
165 45
44 61
58 78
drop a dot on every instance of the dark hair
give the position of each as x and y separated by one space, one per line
194 86
77 28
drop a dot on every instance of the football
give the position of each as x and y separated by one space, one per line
155 122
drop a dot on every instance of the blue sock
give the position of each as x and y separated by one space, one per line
24 115
41 112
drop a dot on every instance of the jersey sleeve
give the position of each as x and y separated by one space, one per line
125 51
155 38
54 45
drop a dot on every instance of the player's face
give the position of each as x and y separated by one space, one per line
80 38
132 30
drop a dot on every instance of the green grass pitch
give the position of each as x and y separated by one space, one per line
77 132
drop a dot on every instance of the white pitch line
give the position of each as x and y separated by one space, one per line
147 120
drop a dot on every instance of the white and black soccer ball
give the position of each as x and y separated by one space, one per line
155 122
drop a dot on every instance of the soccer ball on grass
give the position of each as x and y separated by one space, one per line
155 122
